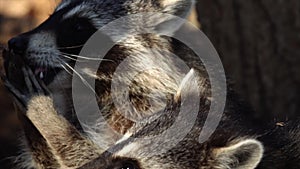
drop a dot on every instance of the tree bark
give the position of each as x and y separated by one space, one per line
258 42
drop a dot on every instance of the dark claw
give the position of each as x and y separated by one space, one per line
33 87
33 82
46 91
22 99
27 80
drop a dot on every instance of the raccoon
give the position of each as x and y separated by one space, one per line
63 146
52 49
233 145
50 52
188 153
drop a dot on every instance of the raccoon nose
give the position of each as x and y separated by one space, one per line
18 44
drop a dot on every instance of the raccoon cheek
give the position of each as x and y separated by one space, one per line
169 25
180 8
245 154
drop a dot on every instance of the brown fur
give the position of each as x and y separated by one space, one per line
62 137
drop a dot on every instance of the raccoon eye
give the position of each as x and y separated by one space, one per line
129 165
82 25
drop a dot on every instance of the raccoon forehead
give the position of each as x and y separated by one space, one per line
62 5
113 4
101 12
98 12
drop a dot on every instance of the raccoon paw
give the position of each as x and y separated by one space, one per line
33 87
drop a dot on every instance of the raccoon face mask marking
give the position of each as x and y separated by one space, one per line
60 38
47 47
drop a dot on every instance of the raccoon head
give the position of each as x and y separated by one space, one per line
57 42
244 154
141 147
63 146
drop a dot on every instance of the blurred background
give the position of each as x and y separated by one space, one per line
16 16
258 42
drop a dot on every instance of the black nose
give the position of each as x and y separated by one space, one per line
18 44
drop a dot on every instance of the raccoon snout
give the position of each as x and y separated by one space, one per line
18 44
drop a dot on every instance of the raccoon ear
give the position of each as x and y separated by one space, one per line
188 85
178 8
244 154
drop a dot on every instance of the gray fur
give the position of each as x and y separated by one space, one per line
53 119
238 153
144 51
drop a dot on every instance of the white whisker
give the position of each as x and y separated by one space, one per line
81 78
71 47
68 57
87 58
66 69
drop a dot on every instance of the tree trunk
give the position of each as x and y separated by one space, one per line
258 42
